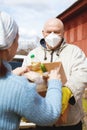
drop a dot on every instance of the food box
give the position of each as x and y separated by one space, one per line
50 66
42 87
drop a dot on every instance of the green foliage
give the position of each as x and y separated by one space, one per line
84 103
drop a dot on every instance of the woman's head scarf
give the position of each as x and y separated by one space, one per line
8 30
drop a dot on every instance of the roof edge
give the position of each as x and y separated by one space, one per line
73 9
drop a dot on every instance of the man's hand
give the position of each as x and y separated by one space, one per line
66 94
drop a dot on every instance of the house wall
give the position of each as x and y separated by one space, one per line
76 30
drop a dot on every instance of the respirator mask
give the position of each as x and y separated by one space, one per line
53 40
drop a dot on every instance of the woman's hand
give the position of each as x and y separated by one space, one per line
21 70
54 74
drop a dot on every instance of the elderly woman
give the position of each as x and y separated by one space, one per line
18 97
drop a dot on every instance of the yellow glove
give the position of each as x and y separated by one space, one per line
66 94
